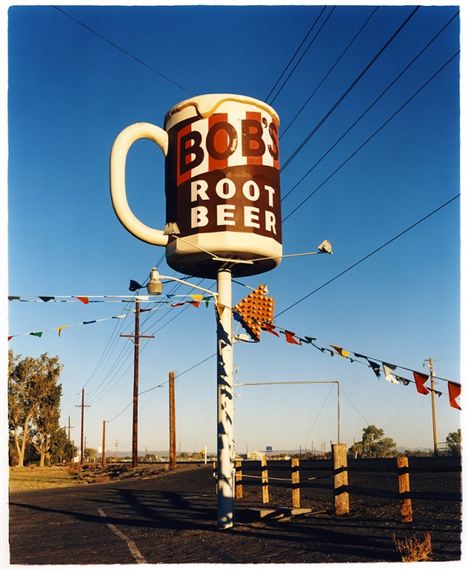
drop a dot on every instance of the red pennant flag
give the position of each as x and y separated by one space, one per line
177 304
290 338
84 300
269 328
194 303
420 378
10 337
454 391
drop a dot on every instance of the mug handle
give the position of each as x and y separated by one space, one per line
118 159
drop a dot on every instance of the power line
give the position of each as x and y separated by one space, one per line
119 374
114 45
360 147
294 55
349 89
181 373
109 379
163 383
324 78
413 60
369 255
175 288
154 331
303 54
120 413
113 377
107 350
115 373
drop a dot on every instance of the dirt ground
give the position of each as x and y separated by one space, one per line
32 477
374 499
171 517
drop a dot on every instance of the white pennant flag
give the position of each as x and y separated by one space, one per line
388 369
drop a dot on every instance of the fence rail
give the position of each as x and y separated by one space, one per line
344 482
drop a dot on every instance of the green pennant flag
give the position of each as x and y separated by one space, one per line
13 298
39 333
45 299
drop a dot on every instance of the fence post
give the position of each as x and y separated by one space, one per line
239 487
406 507
215 476
340 479
295 481
265 493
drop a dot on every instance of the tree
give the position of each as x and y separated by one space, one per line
46 420
33 402
90 454
453 441
61 449
374 444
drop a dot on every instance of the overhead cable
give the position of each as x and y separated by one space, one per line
107 349
399 235
163 383
303 54
348 89
324 78
294 54
362 115
361 146
114 45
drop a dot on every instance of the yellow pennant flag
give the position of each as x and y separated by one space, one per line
197 297
60 329
341 351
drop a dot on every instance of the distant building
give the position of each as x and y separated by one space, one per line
256 455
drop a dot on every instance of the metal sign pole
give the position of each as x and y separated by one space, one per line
225 470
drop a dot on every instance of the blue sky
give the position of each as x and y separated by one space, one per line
71 93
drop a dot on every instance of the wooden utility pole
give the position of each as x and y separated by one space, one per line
433 403
103 443
172 424
136 366
82 425
69 430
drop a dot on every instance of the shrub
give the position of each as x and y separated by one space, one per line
414 549
74 469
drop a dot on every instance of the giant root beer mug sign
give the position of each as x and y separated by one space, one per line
222 185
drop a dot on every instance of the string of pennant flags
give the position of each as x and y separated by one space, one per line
87 299
379 367
195 300
60 328
255 314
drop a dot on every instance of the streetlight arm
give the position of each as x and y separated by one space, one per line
170 278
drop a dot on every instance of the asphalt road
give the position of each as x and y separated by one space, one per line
172 519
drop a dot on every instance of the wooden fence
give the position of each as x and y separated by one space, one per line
341 480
